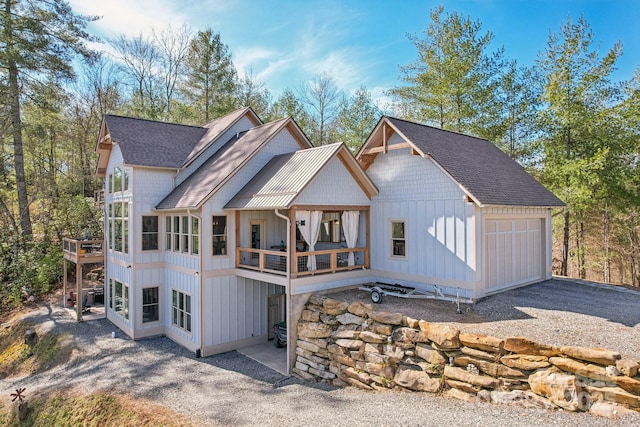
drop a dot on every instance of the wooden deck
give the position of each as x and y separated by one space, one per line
83 251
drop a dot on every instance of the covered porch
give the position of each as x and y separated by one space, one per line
303 240
89 288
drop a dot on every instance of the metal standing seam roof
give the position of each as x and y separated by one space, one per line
151 143
478 165
282 179
220 167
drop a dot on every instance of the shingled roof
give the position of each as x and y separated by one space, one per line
209 177
150 143
486 173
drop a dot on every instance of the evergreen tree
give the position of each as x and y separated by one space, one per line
453 82
38 41
357 117
211 77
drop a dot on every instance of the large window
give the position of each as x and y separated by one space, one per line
149 233
150 305
119 297
119 180
119 226
398 239
182 234
181 310
219 235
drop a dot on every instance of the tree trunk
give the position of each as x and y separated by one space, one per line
16 127
565 245
581 251
605 244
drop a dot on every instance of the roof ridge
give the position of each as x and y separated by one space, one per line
154 121
440 129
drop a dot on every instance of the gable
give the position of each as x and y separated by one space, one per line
478 166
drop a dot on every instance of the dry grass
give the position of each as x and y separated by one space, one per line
93 410
18 358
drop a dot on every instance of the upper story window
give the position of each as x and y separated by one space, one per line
219 235
119 180
118 227
150 233
182 234
398 239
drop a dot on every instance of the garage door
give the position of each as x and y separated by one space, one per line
513 252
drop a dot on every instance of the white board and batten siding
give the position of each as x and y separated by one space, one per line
188 283
235 312
334 185
440 226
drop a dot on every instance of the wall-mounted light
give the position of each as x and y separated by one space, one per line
196 274
301 222
129 266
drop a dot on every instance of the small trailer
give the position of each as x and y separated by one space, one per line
379 290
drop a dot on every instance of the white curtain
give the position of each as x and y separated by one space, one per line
350 220
309 225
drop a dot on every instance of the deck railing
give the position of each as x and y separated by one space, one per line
98 199
83 250
275 261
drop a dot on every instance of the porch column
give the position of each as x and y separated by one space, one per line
291 250
78 291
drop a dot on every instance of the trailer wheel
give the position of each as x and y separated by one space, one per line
376 295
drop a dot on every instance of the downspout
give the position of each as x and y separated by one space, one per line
198 274
288 289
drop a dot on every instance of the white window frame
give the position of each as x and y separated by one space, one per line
393 239
123 295
181 310
156 304
223 250
147 234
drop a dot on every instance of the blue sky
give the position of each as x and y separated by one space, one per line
284 43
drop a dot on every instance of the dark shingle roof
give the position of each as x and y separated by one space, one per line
150 143
487 173
208 178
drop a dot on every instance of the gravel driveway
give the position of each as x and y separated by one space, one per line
231 389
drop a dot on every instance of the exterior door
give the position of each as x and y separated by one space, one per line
257 239
275 311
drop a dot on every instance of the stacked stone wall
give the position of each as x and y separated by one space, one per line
356 345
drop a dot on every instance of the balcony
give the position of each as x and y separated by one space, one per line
83 251
327 261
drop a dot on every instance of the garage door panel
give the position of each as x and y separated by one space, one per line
513 252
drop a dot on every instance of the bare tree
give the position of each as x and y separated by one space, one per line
173 46
322 96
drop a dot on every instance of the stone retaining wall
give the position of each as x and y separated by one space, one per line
354 344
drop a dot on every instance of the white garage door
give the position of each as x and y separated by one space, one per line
513 252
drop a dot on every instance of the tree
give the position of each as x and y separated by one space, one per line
288 105
174 49
211 77
251 92
579 131
453 82
321 96
38 40
357 117
139 59
518 94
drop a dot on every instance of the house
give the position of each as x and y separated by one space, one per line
455 211
214 233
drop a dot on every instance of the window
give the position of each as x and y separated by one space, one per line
119 180
398 240
194 236
176 233
185 234
119 227
119 298
149 233
150 305
219 235
167 231
330 229
181 310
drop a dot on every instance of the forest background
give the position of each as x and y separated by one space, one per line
565 119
